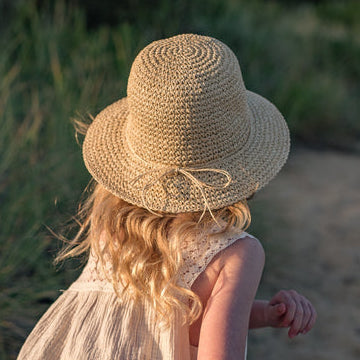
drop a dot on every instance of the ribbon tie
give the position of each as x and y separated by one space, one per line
187 172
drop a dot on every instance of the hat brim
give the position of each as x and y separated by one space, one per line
114 165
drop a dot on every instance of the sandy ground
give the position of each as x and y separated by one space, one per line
312 237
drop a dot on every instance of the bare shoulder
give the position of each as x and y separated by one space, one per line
244 248
232 258
241 262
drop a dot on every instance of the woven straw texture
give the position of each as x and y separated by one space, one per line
188 135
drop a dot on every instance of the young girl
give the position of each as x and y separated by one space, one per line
171 272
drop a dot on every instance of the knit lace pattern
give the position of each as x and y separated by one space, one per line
197 255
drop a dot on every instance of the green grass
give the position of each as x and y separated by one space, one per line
53 67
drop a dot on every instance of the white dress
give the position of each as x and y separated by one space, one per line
88 323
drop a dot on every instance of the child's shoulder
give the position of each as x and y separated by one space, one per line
237 246
243 245
211 250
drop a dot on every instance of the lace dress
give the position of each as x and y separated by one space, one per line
88 323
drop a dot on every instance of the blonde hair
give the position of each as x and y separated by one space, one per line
136 243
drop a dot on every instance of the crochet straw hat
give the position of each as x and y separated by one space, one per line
188 136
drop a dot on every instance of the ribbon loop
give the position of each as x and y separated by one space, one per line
159 173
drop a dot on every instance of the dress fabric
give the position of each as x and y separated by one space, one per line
87 322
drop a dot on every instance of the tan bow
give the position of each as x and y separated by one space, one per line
163 172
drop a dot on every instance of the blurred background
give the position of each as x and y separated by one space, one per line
69 59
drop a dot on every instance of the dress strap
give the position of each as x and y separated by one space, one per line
198 254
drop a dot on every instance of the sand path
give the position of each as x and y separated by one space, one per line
311 233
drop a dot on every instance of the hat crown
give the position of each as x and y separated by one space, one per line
187 102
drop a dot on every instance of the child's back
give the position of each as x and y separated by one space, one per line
88 321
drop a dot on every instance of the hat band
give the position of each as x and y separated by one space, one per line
160 173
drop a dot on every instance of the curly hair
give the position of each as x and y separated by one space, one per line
145 249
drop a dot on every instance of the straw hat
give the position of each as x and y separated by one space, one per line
188 136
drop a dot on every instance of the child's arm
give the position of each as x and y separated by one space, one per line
286 309
226 316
